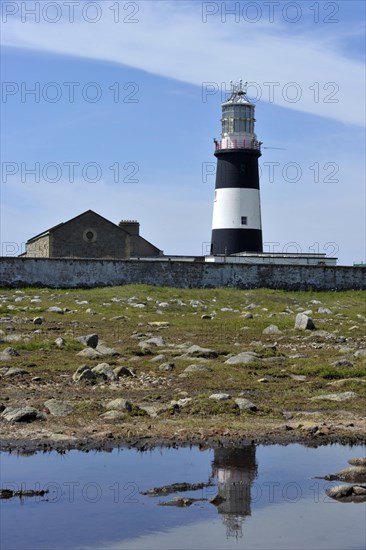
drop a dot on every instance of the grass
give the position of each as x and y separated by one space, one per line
227 332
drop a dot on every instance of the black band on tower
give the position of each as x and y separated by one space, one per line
233 241
237 169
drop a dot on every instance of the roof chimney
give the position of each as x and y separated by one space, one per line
131 226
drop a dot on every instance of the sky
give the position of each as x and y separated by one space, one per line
113 106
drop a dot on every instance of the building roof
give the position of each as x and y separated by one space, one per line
48 231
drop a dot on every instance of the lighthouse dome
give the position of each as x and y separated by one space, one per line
238 116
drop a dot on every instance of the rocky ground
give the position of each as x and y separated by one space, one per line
143 365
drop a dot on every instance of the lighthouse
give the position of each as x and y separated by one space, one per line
236 221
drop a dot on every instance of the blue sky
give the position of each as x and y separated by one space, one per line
140 101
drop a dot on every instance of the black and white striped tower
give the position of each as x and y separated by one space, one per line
236 223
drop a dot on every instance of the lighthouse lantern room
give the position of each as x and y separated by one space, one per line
236 223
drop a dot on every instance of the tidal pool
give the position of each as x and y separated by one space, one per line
270 500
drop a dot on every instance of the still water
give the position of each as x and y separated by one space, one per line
270 500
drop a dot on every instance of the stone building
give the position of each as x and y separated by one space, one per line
89 235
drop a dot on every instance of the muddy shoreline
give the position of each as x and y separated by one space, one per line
107 444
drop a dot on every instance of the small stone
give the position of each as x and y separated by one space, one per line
166 367
243 358
55 309
248 315
158 359
123 371
38 320
197 351
360 353
325 310
298 377
158 324
206 316
245 404
119 404
15 371
197 368
112 415
104 350
220 396
60 342
154 341
10 352
90 311
342 396
303 322
272 329
184 401
343 363
90 353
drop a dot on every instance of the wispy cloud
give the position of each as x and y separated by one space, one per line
171 40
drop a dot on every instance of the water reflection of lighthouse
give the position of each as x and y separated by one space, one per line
235 471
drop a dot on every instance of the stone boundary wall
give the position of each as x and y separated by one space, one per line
73 273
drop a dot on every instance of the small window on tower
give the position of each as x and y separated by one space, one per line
244 220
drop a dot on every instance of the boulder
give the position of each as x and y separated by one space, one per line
83 373
303 322
272 329
59 408
357 461
105 350
89 340
105 371
154 341
347 493
243 358
353 474
22 414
